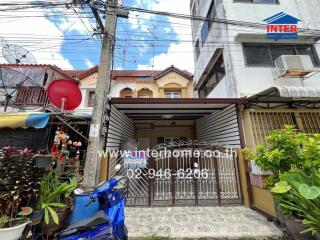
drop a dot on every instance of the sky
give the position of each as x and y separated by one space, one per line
65 37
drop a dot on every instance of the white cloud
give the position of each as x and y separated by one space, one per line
89 63
37 34
179 53
174 56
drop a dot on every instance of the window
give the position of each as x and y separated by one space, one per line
145 93
126 93
195 7
45 79
194 10
259 1
197 48
264 55
91 99
216 74
208 23
204 32
172 94
211 13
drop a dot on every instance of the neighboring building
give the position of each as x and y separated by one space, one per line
238 61
169 83
279 77
25 86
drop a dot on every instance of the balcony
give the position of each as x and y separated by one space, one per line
35 96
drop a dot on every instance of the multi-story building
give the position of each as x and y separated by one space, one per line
234 58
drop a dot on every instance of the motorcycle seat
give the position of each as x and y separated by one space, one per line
86 224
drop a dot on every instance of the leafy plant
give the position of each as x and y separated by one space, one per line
6 221
25 211
284 150
52 189
3 220
18 179
311 153
299 194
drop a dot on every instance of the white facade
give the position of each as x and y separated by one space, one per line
240 79
89 86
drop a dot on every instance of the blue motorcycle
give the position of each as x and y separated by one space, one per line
98 215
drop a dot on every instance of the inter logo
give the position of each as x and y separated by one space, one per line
282 26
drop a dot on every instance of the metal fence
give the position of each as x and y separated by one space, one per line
197 174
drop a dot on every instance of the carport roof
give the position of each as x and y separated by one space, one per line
171 109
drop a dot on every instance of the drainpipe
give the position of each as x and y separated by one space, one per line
242 144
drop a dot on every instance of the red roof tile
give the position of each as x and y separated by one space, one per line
74 73
53 67
125 79
135 73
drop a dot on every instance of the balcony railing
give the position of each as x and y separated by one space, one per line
32 96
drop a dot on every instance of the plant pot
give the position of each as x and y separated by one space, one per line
80 209
51 228
279 215
13 233
36 217
295 227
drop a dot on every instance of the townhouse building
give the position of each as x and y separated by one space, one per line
266 51
168 83
233 56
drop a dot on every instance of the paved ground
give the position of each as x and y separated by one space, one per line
199 223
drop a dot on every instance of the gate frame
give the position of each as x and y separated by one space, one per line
172 165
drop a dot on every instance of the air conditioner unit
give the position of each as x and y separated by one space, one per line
293 66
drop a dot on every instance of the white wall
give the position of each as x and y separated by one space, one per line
117 86
83 107
241 80
220 90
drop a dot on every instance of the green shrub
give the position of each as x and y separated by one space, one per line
286 149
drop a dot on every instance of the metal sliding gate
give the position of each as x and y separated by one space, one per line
188 173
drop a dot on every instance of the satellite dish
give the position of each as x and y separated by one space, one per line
15 54
19 91
64 94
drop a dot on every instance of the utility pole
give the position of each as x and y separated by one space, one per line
98 129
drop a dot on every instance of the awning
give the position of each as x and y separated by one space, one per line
171 109
24 120
291 96
287 95
299 92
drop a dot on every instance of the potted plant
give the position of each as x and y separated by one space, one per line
299 194
53 197
11 228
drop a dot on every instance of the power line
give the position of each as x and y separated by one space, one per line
214 20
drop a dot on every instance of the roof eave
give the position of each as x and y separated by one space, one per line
179 101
